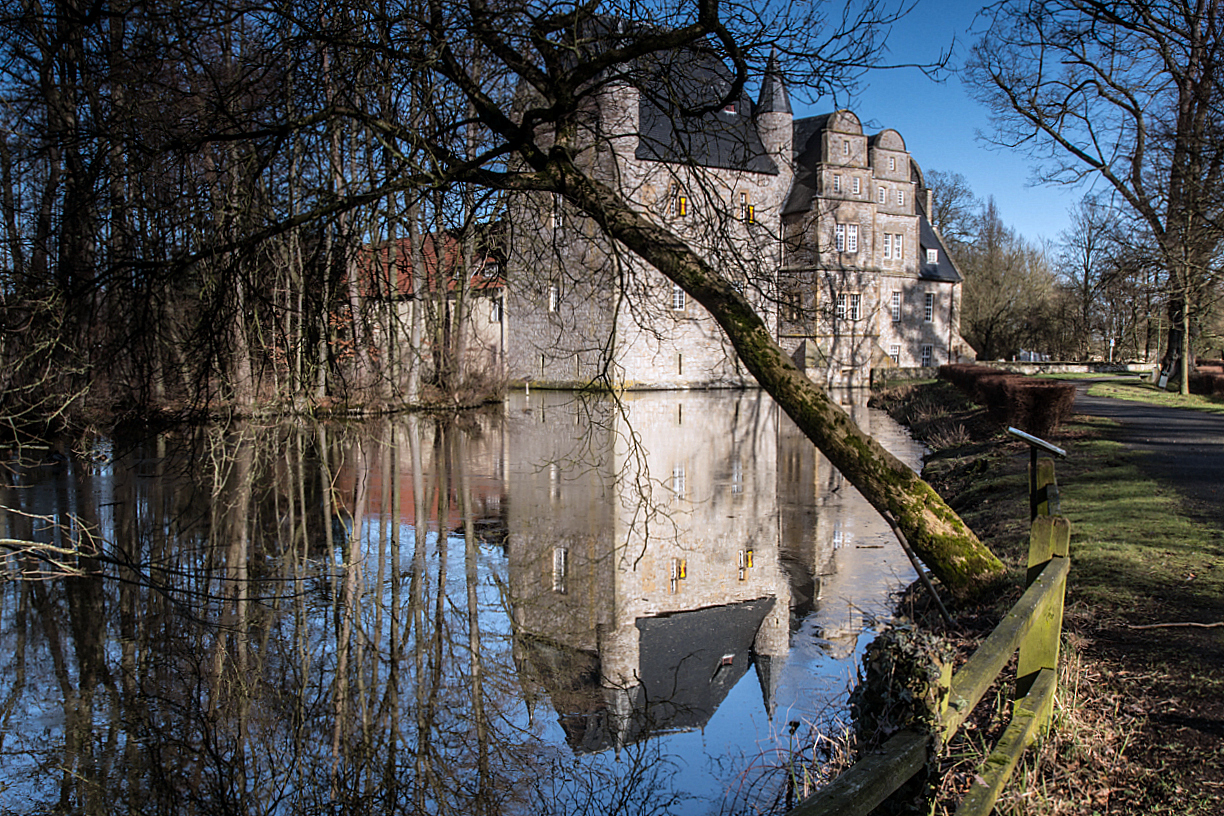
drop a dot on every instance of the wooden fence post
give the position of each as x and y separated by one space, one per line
1045 487
1049 537
1033 627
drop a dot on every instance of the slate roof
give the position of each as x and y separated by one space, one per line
773 98
945 271
675 88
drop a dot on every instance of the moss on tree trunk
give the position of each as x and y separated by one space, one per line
939 537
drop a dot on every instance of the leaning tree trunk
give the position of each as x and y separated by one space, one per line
949 548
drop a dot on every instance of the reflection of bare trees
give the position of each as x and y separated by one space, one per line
413 615
297 619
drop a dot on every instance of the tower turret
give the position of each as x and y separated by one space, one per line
774 118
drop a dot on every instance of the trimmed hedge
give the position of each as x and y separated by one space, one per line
1208 380
1030 404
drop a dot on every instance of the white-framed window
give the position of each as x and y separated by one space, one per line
900 198
932 256
841 306
894 353
845 147
928 307
496 312
928 355
554 297
846 237
897 252
856 306
677 299
881 195
836 183
678 481
896 307
888 246
854 185
892 162
747 213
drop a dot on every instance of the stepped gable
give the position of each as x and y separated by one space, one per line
809 141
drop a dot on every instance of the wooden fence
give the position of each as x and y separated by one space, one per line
1034 627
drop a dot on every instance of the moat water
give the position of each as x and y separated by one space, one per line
562 605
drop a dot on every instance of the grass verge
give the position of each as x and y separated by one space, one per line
1139 726
1140 391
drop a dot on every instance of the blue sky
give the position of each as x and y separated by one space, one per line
939 122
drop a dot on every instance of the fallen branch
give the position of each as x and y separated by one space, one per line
920 569
1188 624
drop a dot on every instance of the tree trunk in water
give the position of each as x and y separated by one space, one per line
949 548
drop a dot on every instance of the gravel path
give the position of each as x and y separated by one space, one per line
1182 448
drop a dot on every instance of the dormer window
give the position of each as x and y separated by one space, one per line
729 108
933 256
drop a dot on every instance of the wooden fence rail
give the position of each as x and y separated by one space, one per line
1033 627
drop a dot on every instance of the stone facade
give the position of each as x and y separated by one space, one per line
700 519
821 226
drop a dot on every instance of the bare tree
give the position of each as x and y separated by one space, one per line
954 207
285 154
1007 289
557 61
1128 93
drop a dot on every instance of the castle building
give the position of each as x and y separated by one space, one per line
823 227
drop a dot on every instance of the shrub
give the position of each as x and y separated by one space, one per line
1036 406
965 375
1041 406
1207 381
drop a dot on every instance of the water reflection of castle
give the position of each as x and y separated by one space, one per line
659 547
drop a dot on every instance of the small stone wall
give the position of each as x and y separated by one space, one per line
1071 368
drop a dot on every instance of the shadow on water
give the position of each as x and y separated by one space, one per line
564 605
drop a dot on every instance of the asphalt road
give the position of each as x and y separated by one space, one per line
1183 448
